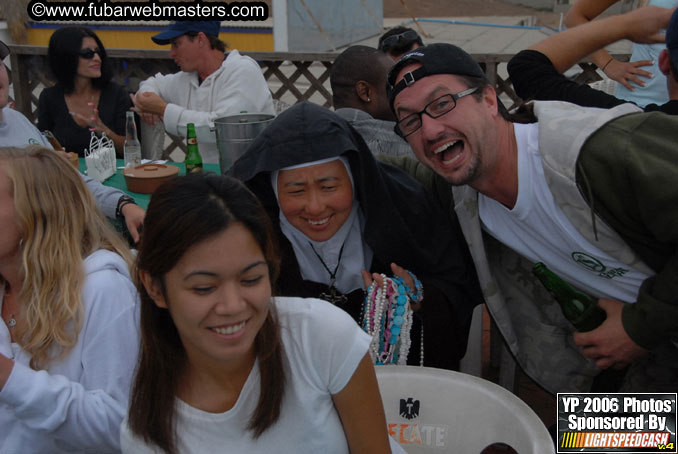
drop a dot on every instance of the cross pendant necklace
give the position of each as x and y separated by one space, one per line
333 296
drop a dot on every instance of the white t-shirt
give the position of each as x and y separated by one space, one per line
537 229
322 348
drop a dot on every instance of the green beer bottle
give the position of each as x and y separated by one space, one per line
193 159
579 308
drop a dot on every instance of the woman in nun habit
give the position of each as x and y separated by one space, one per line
341 216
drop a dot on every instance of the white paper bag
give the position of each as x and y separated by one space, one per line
100 158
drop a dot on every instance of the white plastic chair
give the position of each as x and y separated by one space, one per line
439 411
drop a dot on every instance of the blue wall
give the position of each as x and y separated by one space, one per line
342 22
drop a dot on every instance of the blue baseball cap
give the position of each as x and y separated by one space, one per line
672 38
182 27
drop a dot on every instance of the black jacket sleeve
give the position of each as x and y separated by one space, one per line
122 104
535 78
45 117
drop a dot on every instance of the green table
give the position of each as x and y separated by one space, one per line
118 180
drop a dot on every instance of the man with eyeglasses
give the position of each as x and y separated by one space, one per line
589 192
398 41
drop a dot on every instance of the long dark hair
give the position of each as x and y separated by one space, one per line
182 213
63 58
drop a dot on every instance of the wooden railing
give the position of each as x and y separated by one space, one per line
291 77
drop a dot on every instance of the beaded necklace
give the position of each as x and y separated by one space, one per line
387 318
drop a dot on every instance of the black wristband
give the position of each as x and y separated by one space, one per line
122 201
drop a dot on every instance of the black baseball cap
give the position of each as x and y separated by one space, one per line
672 39
4 50
438 58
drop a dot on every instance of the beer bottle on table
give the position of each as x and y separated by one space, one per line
579 308
132 147
193 159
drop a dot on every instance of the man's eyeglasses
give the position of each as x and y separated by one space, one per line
88 54
404 37
436 108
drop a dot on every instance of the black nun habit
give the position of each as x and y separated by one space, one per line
403 223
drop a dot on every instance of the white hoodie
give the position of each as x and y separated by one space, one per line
77 405
237 85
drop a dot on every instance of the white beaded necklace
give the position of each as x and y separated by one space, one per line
373 318
387 318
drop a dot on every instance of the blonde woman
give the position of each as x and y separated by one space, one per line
69 337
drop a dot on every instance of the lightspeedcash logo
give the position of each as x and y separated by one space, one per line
617 422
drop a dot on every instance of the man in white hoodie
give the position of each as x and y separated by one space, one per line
212 83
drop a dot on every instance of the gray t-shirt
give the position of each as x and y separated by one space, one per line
377 134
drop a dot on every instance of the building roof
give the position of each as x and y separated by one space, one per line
482 35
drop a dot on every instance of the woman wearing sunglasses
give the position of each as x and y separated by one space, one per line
84 98
398 41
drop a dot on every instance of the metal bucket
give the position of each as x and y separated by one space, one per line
236 133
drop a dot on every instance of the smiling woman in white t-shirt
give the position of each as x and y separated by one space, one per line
225 366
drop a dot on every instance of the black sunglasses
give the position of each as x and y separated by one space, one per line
88 54
408 36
